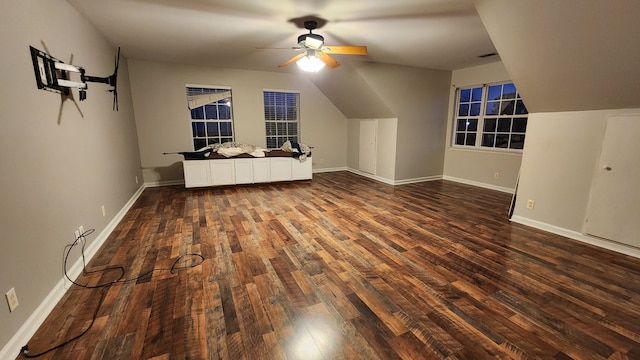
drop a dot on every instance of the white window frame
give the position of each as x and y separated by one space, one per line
206 138
278 129
482 117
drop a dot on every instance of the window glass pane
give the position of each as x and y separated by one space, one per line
475 109
517 141
462 125
225 129
504 125
199 143
493 108
292 129
211 111
472 125
292 113
463 110
494 92
271 128
459 138
509 91
471 139
520 108
197 113
268 99
224 112
507 107
212 129
198 129
465 95
212 141
489 125
502 140
488 140
519 125
476 94
269 113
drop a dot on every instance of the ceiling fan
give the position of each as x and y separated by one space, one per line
316 54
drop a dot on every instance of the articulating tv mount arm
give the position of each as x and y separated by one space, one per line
51 74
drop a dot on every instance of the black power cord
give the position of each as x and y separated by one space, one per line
24 351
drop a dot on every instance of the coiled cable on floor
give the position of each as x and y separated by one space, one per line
175 266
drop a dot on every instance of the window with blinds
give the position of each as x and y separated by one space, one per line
282 117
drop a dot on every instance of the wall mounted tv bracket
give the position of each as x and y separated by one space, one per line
53 75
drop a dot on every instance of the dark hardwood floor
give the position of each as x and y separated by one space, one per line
344 267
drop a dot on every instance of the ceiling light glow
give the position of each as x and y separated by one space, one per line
310 64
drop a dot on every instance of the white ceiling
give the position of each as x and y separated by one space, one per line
435 34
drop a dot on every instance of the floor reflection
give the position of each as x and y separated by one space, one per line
314 337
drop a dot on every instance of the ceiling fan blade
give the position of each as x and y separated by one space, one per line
348 50
328 60
293 59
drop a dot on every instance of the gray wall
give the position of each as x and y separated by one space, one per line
559 161
163 120
61 160
418 98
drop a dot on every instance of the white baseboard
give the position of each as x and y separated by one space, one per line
12 349
163 183
395 182
609 245
329 170
371 176
479 184
417 180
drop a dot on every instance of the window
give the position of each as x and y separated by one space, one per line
211 115
282 117
490 116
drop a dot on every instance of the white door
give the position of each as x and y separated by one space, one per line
614 207
368 148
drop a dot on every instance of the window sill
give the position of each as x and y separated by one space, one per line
487 151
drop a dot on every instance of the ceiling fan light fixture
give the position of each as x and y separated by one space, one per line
310 63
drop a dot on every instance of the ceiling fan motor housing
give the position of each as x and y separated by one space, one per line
303 38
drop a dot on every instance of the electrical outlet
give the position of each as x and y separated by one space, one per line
496 175
530 204
77 234
136 179
104 212
12 299
81 229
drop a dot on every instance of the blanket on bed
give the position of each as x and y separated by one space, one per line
231 149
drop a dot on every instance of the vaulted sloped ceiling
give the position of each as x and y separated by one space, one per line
351 94
570 54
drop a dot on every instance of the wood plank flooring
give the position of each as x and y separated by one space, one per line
343 267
